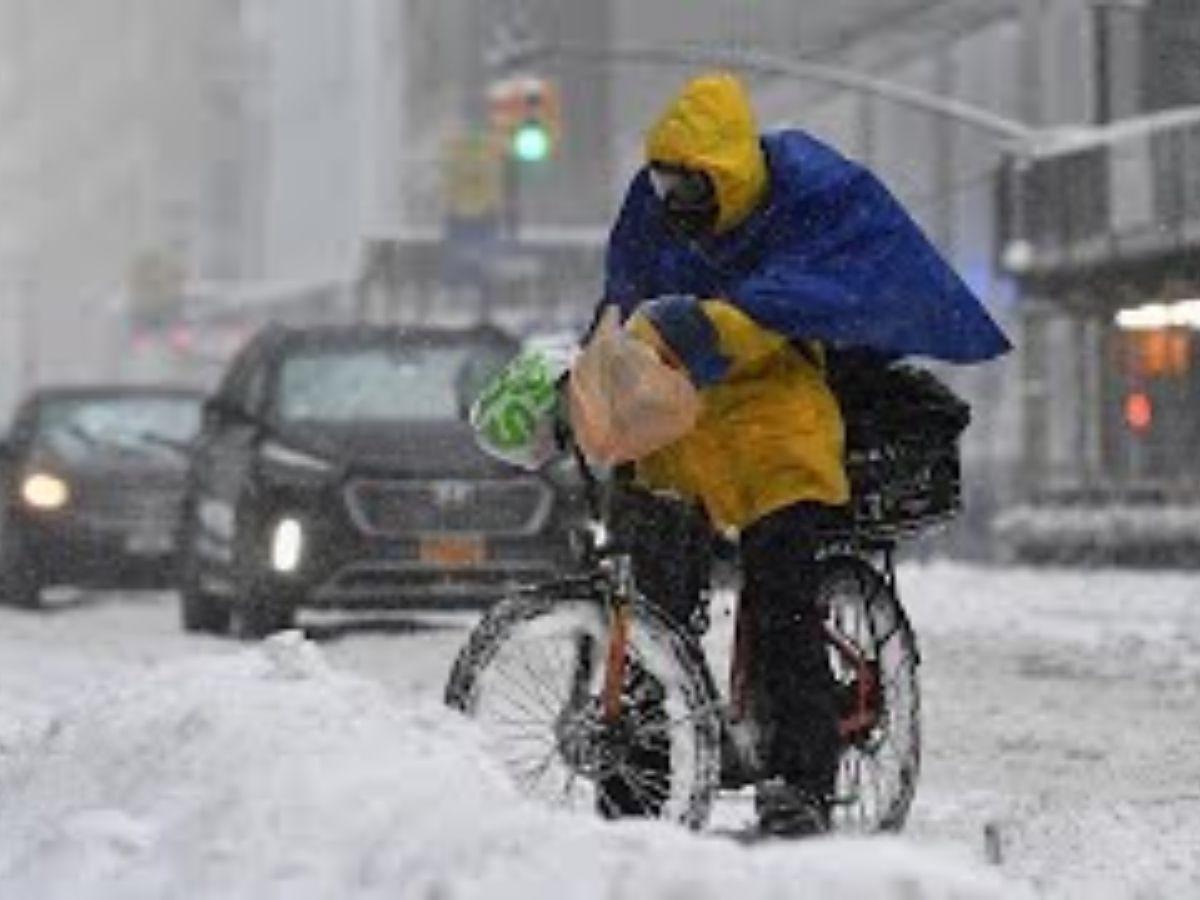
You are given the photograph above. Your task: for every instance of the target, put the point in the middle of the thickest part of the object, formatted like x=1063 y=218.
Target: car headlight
x=44 y=491
x=279 y=454
x=287 y=545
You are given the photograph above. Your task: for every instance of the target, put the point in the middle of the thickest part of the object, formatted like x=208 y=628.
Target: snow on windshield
x=77 y=428
x=412 y=383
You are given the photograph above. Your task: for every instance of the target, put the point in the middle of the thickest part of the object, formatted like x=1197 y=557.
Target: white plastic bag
x=625 y=401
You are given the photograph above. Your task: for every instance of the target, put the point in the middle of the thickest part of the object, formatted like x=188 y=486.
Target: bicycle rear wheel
x=531 y=674
x=873 y=655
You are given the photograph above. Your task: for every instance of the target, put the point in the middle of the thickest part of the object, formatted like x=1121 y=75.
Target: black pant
x=670 y=543
x=671 y=546
x=788 y=655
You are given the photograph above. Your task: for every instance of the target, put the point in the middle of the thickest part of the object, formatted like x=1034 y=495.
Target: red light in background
x=180 y=338
x=1139 y=411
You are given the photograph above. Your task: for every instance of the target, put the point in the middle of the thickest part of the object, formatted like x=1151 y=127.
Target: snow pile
x=267 y=774
x=1061 y=706
x=1161 y=532
x=20 y=720
x=1122 y=622
x=36 y=687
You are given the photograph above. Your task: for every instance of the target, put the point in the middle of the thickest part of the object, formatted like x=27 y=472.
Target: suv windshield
x=80 y=428
x=385 y=383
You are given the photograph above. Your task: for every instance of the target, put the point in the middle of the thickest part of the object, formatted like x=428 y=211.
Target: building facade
x=120 y=133
x=1102 y=230
x=326 y=86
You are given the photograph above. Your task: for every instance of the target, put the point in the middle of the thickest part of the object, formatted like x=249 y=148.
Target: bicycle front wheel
x=531 y=675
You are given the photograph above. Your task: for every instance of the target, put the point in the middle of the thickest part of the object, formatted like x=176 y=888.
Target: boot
x=788 y=810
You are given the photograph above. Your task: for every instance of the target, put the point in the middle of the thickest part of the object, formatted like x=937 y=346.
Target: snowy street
x=1061 y=716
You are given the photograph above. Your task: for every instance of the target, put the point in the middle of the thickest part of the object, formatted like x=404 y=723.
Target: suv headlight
x=44 y=491
x=288 y=458
x=287 y=545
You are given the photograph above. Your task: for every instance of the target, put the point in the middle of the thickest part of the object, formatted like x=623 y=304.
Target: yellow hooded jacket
x=770 y=432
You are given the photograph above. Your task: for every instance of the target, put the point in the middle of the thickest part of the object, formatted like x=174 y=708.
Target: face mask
x=688 y=197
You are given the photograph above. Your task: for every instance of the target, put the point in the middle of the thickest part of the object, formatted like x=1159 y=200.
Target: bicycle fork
x=616 y=658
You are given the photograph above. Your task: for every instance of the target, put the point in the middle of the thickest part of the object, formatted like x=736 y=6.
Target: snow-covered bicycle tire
x=690 y=697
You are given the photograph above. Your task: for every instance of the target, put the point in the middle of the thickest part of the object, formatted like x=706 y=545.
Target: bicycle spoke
x=651 y=741
x=868 y=765
x=546 y=695
x=670 y=724
x=558 y=692
x=523 y=766
x=856 y=779
x=520 y=706
x=532 y=775
x=534 y=703
x=529 y=736
x=880 y=750
x=565 y=660
x=646 y=790
x=572 y=777
x=604 y=795
x=866 y=806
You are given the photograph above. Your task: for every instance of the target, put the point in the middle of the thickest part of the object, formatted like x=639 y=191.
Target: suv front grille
x=508 y=506
x=123 y=505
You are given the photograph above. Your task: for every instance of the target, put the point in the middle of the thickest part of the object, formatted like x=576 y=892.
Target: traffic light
x=531 y=142
x=525 y=117
x=1139 y=411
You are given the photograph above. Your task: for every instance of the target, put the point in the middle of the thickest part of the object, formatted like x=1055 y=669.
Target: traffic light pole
x=1016 y=135
x=510 y=203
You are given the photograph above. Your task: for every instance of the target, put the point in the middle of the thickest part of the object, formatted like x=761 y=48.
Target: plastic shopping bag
x=515 y=416
x=625 y=401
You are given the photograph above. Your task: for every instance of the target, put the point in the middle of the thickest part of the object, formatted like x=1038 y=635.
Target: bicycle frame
x=614 y=564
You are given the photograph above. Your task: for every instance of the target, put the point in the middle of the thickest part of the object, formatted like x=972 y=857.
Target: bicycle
x=592 y=696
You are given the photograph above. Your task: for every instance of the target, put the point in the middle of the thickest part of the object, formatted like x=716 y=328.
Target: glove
x=682 y=324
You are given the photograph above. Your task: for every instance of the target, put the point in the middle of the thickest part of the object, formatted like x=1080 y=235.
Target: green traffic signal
x=531 y=142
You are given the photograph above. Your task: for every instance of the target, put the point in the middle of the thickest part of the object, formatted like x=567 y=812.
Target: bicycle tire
x=888 y=754
x=572 y=610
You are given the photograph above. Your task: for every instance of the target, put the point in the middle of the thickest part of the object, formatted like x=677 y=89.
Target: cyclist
x=743 y=258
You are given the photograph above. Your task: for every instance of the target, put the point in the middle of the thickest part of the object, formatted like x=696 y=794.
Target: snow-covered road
x=1062 y=713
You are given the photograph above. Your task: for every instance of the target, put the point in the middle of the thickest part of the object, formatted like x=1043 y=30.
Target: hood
x=410 y=449
x=158 y=468
x=710 y=126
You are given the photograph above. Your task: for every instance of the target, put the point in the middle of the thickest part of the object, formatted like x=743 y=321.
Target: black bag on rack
x=902 y=453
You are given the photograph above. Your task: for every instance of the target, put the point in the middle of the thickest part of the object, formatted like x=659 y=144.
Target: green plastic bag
x=515 y=416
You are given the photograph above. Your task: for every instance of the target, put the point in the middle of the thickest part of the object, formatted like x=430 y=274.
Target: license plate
x=148 y=544
x=453 y=552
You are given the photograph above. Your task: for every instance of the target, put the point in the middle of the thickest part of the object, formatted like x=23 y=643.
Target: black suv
x=335 y=468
